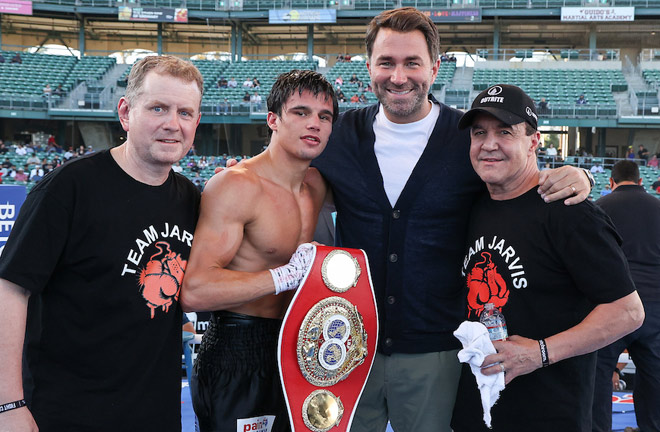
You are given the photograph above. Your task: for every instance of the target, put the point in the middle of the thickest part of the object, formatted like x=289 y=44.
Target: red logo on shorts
x=160 y=280
x=485 y=285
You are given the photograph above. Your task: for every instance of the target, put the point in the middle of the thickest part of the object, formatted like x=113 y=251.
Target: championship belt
x=328 y=341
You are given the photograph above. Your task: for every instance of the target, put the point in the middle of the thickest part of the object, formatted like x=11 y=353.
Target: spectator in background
x=255 y=83
x=656 y=185
x=643 y=154
x=59 y=91
x=255 y=101
x=247 y=83
x=47 y=90
x=177 y=168
x=36 y=174
x=581 y=100
x=246 y=97
x=232 y=83
x=33 y=159
x=17 y=59
x=69 y=154
x=597 y=168
x=653 y=163
x=606 y=190
x=631 y=153
x=3 y=149
x=363 y=99
x=341 y=97
x=339 y=81
x=355 y=98
x=21 y=150
x=223 y=107
x=551 y=152
x=20 y=175
x=543 y=106
x=222 y=83
x=354 y=79
x=636 y=216
x=2 y=58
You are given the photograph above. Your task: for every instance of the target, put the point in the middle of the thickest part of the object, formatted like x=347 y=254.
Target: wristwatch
x=592 y=182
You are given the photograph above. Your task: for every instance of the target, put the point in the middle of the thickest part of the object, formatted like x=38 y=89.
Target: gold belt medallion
x=332 y=342
x=322 y=411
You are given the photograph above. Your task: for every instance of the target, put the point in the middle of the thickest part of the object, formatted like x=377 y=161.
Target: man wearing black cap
x=545 y=266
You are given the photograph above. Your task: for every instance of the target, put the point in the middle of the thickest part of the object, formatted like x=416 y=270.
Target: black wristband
x=12 y=405
x=544 y=353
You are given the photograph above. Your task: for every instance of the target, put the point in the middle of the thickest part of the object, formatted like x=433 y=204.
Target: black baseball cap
x=507 y=103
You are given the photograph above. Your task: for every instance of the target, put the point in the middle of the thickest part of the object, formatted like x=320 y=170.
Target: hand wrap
x=288 y=276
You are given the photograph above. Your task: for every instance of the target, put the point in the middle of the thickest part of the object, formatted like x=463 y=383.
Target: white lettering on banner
x=7 y=211
x=598 y=14
x=152 y=235
x=255 y=424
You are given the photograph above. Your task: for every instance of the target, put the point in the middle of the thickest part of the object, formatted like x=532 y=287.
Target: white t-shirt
x=551 y=151
x=398 y=147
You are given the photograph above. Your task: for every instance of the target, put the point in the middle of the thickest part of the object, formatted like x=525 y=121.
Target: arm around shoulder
x=565 y=182
x=13 y=316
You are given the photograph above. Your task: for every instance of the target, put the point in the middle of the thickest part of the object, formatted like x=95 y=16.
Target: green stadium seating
x=561 y=87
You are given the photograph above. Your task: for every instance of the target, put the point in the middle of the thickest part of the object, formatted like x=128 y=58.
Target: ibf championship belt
x=328 y=341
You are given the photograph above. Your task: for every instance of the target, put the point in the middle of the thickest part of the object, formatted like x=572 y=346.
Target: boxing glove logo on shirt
x=160 y=280
x=485 y=285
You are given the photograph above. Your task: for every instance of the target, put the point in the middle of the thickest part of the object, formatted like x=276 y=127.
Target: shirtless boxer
x=252 y=219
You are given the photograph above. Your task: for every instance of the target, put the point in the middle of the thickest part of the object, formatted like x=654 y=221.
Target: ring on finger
x=573 y=189
x=502 y=367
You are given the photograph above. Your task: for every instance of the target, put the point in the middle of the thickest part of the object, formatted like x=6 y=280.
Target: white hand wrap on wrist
x=288 y=276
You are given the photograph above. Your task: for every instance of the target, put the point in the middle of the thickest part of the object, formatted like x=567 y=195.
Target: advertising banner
x=589 y=14
x=11 y=200
x=169 y=15
x=302 y=16
x=17 y=7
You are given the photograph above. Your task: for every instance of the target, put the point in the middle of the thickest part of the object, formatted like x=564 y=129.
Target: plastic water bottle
x=494 y=321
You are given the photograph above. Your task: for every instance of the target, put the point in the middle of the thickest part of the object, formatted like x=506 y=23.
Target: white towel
x=476 y=346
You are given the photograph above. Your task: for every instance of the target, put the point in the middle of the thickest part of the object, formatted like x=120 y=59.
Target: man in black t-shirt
x=545 y=266
x=636 y=215
x=91 y=273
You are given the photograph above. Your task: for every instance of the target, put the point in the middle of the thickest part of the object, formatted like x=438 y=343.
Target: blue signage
x=11 y=200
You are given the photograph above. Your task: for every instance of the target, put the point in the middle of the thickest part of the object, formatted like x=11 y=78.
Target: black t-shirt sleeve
x=591 y=249
x=36 y=241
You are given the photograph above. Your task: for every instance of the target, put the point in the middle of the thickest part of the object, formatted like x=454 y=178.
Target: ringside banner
x=11 y=200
